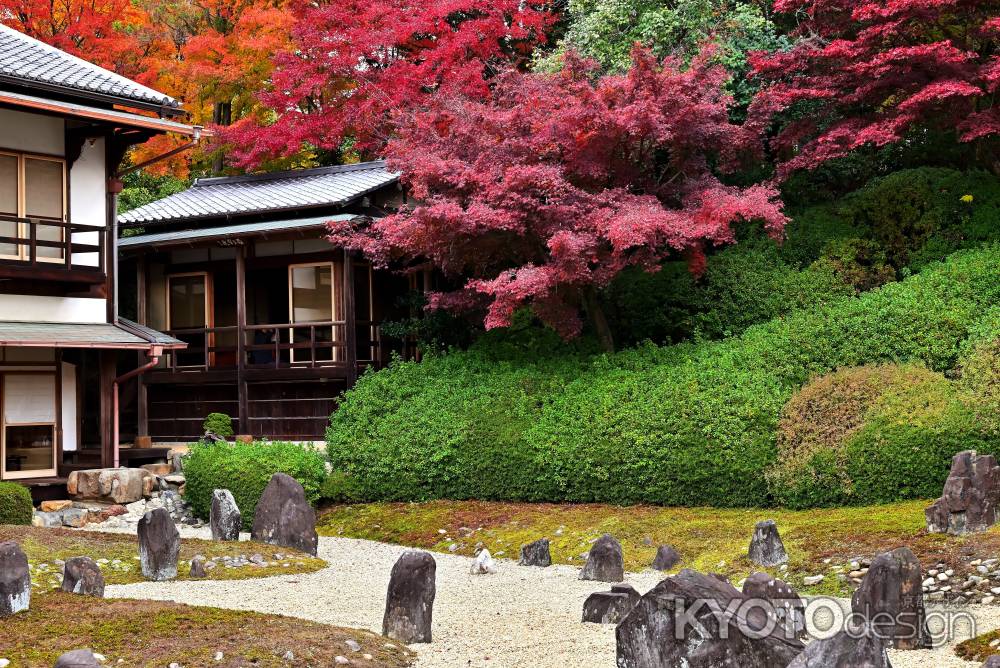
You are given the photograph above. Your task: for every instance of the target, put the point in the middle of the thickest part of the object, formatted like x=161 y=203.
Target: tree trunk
x=222 y=115
x=592 y=304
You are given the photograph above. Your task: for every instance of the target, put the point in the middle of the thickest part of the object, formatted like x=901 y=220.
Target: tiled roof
x=26 y=59
x=77 y=335
x=264 y=193
x=229 y=231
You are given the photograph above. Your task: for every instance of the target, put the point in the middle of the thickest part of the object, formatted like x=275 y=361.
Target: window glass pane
x=29 y=398
x=49 y=233
x=8 y=185
x=312 y=295
x=29 y=448
x=187 y=302
x=43 y=188
x=8 y=202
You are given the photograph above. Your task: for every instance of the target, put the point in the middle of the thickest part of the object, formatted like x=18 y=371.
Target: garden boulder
x=15 y=579
x=610 y=607
x=409 y=602
x=844 y=650
x=969 y=500
x=78 y=658
x=159 y=545
x=698 y=621
x=484 y=564
x=766 y=548
x=785 y=604
x=82 y=575
x=605 y=562
x=284 y=516
x=198 y=569
x=666 y=558
x=891 y=598
x=225 y=517
x=536 y=554
x=121 y=485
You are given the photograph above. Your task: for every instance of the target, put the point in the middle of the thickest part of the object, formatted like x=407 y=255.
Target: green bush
x=15 y=504
x=689 y=424
x=219 y=424
x=871 y=434
x=245 y=469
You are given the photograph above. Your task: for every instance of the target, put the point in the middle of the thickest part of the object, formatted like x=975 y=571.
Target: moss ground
x=153 y=633
x=44 y=546
x=708 y=539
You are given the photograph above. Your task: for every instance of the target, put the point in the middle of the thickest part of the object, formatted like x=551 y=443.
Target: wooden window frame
x=335 y=352
x=209 y=314
x=21 y=232
x=55 y=373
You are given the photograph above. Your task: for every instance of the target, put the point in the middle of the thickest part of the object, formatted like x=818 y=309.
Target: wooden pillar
x=350 y=321
x=241 y=355
x=108 y=370
x=142 y=316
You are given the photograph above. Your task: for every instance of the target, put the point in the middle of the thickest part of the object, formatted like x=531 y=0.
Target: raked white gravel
x=519 y=617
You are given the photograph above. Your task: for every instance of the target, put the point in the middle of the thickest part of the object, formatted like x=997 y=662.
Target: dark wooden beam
x=350 y=321
x=241 y=355
x=107 y=369
x=141 y=314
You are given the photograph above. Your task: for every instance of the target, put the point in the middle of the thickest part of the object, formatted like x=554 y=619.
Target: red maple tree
x=544 y=191
x=355 y=62
x=868 y=73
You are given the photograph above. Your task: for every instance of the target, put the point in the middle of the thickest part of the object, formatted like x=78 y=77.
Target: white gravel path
x=517 y=618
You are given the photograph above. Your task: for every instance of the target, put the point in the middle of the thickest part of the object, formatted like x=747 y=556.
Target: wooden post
x=350 y=322
x=142 y=315
x=241 y=333
x=108 y=370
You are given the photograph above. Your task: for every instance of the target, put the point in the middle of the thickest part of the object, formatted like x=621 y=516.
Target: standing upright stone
x=284 y=516
x=536 y=554
x=699 y=621
x=766 y=548
x=82 y=575
x=78 y=658
x=970 y=497
x=159 y=545
x=225 y=518
x=605 y=562
x=409 y=602
x=891 y=599
x=666 y=558
x=15 y=579
x=844 y=650
x=610 y=607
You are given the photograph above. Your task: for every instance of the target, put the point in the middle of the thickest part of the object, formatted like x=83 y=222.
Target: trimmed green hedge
x=219 y=424
x=15 y=504
x=245 y=469
x=690 y=424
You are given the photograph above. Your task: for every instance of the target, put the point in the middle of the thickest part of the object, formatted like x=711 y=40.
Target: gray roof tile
x=26 y=58
x=264 y=193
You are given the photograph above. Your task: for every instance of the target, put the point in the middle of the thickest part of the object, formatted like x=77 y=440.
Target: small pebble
x=341 y=660
x=219 y=656
x=289 y=656
x=352 y=645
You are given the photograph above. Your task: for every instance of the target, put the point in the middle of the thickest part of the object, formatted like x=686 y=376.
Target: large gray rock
x=891 y=598
x=844 y=650
x=198 y=569
x=970 y=497
x=15 y=579
x=992 y=662
x=699 y=621
x=159 y=545
x=409 y=602
x=786 y=606
x=78 y=658
x=284 y=516
x=666 y=558
x=225 y=518
x=605 y=561
x=610 y=607
x=82 y=575
x=121 y=485
x=536 y=554
x=766 y=548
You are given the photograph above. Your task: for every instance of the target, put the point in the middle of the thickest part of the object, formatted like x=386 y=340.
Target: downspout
x=153 y=354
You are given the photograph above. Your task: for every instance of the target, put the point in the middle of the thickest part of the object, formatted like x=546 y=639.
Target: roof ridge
x=288 y=174
x=115 y=78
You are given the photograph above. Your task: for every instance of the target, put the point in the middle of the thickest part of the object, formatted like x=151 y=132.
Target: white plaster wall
x=88 y=196
x=69 y=421
x=33 y=133
x=29 y=308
